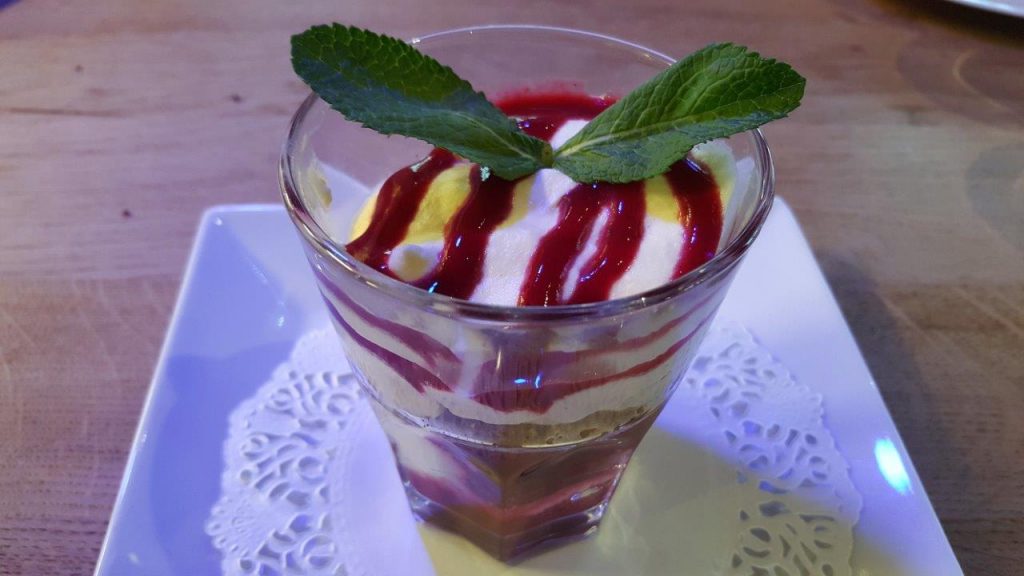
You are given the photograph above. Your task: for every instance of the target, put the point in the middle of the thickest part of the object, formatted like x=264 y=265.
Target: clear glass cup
x=510 y=426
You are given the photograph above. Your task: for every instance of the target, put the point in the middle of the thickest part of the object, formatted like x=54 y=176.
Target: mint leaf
x=718 y=91
x=388 y=86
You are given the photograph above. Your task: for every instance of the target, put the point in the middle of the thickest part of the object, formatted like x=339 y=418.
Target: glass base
x=511 y=500
x=503 y=545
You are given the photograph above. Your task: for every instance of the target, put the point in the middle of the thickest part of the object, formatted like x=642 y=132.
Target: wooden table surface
x=120 y=121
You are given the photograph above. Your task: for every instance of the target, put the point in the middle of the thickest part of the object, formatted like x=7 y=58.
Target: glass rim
x=722 y=261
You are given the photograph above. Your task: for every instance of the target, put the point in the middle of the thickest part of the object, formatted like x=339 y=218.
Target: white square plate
x=248 y=297
x=1008 y=7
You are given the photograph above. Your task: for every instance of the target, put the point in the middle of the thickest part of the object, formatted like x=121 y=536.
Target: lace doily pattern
x=800 y=505
x=273 y=516
x=795 y=515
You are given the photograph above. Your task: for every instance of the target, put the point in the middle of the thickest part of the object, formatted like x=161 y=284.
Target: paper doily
x=740 y=455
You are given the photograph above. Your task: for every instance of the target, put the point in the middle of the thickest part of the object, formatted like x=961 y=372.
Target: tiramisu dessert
x=513 y=415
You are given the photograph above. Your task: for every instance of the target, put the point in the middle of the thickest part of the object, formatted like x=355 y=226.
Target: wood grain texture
x=121 y=121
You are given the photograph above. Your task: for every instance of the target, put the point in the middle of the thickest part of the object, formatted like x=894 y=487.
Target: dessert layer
x=448 y=226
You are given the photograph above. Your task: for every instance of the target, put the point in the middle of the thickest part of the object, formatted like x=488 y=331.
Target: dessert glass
x=510 y=426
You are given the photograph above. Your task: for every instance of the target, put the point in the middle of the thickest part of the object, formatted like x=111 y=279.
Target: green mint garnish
x=718 y=91
x=389 y=86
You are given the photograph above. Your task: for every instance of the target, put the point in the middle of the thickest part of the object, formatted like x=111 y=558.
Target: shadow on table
x=992 y=187
x=892 y=362
x=993 y=25
x=889 y=357
x=964 y=60
x=948 y=15
x=6 y=3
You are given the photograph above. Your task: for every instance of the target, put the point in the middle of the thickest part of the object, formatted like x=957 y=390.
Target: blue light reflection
x=890 y=464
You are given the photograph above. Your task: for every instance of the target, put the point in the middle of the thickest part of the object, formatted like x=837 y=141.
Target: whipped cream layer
x=638 y=237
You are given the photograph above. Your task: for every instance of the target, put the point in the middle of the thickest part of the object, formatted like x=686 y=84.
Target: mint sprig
x=720 y=90
x=389 y=86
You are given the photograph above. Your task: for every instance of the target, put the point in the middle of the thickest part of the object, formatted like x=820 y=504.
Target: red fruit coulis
x=459 y=268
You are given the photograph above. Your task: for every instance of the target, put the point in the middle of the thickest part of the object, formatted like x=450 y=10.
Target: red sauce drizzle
x=557 y=250
x=397 y=204
x=440 y=359
x=460 y=266
x=700 y=211
x=618 y=245
x=542 y=114
x=545 y=392
x=417 y=376
x=561 y=246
